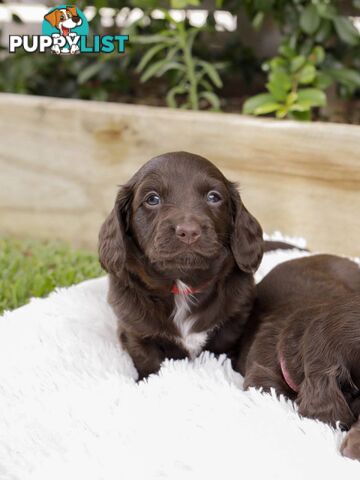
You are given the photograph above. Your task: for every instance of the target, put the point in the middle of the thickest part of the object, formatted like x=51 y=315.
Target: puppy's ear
x=320 y=397
x=246 y=239
x=52 y=18
x=72 y=10
x=112 y=236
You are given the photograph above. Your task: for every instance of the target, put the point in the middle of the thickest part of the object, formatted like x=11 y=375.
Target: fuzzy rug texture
x=70 y=407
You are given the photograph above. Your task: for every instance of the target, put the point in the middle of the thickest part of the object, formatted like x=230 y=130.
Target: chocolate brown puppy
x=181 y=249
x=303 y=339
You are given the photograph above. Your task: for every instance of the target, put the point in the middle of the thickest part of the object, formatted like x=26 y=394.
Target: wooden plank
x=61 y=161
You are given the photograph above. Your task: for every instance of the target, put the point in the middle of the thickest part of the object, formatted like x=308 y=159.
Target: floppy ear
x=112 y=236
x=52 y=18
x=246 y=239
x=320 y=397
x=72 y=10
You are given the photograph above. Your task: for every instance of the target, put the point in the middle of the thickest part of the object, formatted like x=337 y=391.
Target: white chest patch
x=193 y=342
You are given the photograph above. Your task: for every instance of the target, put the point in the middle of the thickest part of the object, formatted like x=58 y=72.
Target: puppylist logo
x=65 y=31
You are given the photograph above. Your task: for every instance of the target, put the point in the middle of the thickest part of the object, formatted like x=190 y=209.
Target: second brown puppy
x=303 y=340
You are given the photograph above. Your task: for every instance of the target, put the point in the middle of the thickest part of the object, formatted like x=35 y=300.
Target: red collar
x=286 y=374
x=188 y=290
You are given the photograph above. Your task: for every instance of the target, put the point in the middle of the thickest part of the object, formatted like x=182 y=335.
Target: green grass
x=33 y=269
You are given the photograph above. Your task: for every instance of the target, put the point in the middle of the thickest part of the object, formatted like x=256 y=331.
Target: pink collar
x=188 y=290
x=286 y=374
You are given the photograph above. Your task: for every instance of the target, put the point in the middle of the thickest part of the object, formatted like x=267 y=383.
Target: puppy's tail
x=270 y=245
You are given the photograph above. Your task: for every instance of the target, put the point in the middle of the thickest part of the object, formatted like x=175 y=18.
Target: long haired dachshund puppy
x=181 y=249
x=303 y=339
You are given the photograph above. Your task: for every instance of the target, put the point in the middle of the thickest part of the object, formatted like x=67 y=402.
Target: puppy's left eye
x=213 y=197
x=153 y=200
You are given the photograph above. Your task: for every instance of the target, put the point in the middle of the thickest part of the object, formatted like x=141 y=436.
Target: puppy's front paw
x=351 y=445
x=74 y=49
x=56 y=49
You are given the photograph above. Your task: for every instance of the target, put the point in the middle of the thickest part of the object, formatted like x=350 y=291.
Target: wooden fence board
x=61 y=160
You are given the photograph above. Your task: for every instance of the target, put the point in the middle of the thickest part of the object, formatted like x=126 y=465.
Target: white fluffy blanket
x=70 y=407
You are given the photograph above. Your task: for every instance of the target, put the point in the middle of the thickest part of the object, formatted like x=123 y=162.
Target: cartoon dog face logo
x=64 y=19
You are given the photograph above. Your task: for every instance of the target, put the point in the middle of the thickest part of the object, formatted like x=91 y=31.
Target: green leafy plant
x=295 y=85
x=172 y=60
x=193 y=79
x=321 y=47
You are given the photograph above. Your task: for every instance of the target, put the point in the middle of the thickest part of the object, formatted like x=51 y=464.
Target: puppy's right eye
x=153 y=200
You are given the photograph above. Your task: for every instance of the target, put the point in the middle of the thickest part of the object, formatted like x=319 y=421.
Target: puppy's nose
x=188 y=232
x=76 y=19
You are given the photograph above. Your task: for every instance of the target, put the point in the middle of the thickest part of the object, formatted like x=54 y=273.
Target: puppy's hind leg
x=265 y=378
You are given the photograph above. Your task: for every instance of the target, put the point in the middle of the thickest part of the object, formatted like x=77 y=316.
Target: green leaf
x=346 y=30
x=16 y=19
x=170 y=66
x=252 y=103
x=307 y=74
x=311 y=97
x=306 y=46
x=277 y=91
x=171 y=54
x=279 y=84
x=301 y=116
x=258 y=20
x=293 y=40
x=291 y=98
x=318 y=54
x=265 y=5
x=191 y=34
x=326 y=10
x=99 y=4
x=144 y=4
x=89 y=72
x=323 y=80
x=269 y=107
x=346 y=76
x=282 y=112
x=297 y=63
x=280 y=77
x=170 y=97
x=299 y=107
x=212 y=98
x=309 y=19
x=324 y=31
x=287 y=51
x=207 y=85
x=356 y=3
x=277 y=62
x=184 y=3
x=146 y=39
x=212 y=73
x=152 y=70
x=149 y=55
